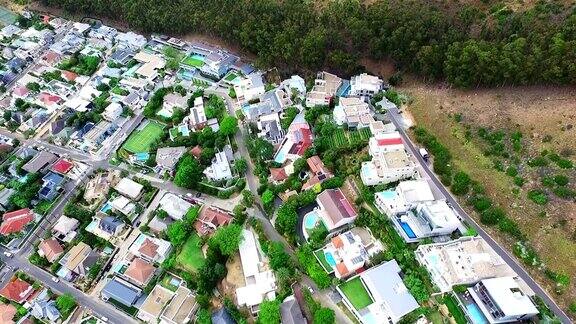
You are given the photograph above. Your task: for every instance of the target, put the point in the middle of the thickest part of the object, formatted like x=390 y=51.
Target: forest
x=467 y=44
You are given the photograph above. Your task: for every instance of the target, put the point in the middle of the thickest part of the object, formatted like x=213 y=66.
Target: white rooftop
x=506 y=293
x=175 y=206
x=129 y=188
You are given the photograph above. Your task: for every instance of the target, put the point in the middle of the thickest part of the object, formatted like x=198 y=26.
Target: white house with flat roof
x=427 y=219
x=502 y=301
x=129 y=188
x=391 y=300
x=353 y=112
x=385 y=142
x=387 y=167
x=406 y=195
x=325 y=87
x=197 y=118
x=464 y=261
x=260 y=280
x=175 y=206
x=365 y=85
x=250 y=88
x=220 y=168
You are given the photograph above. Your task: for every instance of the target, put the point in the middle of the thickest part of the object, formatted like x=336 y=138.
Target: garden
x=356 y=293
x=142 y=139
x=190 y=257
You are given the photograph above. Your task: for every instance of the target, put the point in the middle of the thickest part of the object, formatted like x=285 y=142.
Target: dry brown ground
x=536 y=111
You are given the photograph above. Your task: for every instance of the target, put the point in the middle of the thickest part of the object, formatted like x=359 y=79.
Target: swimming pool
x=281 y=154
x=330 y=259
x=409 y=232
x=106 y=207
x=388 y=194
x=310 y=220
x=475 y=314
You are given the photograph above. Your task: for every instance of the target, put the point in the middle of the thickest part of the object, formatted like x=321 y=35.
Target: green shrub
x=519 y=181
x=492 y=215
x=480 y=203
x=538 y=162
x=512 y=171
x=565 y=193
x=538 y=196
x=561 y=179
x=461 y=183
x=548 y=181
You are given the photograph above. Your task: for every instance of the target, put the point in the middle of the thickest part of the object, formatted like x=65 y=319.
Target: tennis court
x=7 y=17
x=194 y=60
x=141 y=139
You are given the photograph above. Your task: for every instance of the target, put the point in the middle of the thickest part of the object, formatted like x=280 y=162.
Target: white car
x=55 y=279
x=8 y=254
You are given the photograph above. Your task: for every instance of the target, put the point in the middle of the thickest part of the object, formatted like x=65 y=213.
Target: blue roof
x=52 y=179
x=121 y=292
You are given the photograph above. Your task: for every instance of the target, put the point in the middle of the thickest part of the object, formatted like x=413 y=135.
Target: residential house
x=129 y=188
x=249 y=88
x=405 y=196
x=130 y=41
x=464 y=261
x=197 y=118
x=39 y=162
x=325 y=87
x=347 y=254
x=259 y=279
x=5 y=195
x=174 y=206
x=290 y=311
x=16 y=221
x=17 y=290
x=65 y=228
x=77 y=262
x=217 y=64
x=334 y=209
x=150 y=248
x=122 y=205
x=365 y=85
x=94 y=138
x=298 y=139
x=113 y=111
x=391 y=300
x=319 y=172
x=500 y=300
x=62 y=166
x=121 y=291
x=270 y=129
x=181 y=308
x=46 y=310
x=387 y=167
x=140 y=272
x=151 y=63
x=168 y=157
x=171 y=102
x=273 y=101
x=353 y=112
x=385 y=142
x=295 y=84
x=97 y=188
x=152 y=307
x=51 y=183
x=121 y=56
x=50 y=249
x=278 y=175
x=107 y=227
x=7 y=313
x=220 y=169
x=210 y=219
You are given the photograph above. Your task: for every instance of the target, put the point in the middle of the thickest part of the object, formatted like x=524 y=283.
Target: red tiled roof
x=149 y=248
x=342 y=270
x=15 y=221
x=49 y=99
x=196 y=151
x=337 y=242
x=62 y=166
x=212 y=216
x=7 y=312
x=21 y=91
x=140 y=271
x=69 y=76
x=389 y=141
x=16 y=290
x=51 y=57
x=278 y=174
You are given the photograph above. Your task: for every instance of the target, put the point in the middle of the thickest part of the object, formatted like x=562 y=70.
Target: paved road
x=100 y=308
x=522 y=273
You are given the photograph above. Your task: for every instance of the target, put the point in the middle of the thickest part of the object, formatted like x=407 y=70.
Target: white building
x=464 y=261
x=150 y=65
x=295 y=83
x=353 y=112
x=197 y=117
x=113 y=111
x=427 y=219
x=406 y=195
x=391 y=300
x=250 y=88
x=220 y=168
x=259 y=279
x=502 y=301
x=129 y=188
x=385 y=142
x=175 y=206
x=365 y=85
x=171 y=102
x=325 y=87
x=387 y=167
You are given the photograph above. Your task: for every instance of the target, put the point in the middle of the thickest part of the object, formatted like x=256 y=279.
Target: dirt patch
x=235 y=277
x=538 y=112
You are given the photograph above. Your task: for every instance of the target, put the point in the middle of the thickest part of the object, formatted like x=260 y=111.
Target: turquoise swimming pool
x=475 y=314
x=310 y=220
x=330 y=259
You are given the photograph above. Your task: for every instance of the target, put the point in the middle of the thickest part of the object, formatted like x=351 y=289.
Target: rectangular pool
x=475 y=314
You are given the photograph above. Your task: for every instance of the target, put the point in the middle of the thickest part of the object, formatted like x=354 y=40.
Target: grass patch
x=165 y=282
x=356 y=293
x=454 y=309
x=141 y=140
x=190 y=257
x=320 y=255
x=231 y=76
x=342 y=138
x=192 y=61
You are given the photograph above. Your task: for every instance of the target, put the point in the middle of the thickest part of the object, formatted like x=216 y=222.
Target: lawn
x=342 y=138
x=231 y=76
x=356 y=293
x=455 y=309
x=190 y=257
x=320 y=255
x=193 y=61
x=141 y=140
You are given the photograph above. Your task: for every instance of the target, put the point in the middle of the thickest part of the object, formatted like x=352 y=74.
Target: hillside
x=469 y=43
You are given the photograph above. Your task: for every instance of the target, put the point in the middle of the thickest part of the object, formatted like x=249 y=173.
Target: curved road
x=522 y=273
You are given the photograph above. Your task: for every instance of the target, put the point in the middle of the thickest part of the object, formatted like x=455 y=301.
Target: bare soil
x=536 y=111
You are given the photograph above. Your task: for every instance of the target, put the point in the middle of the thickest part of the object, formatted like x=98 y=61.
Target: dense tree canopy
x=469 y=44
